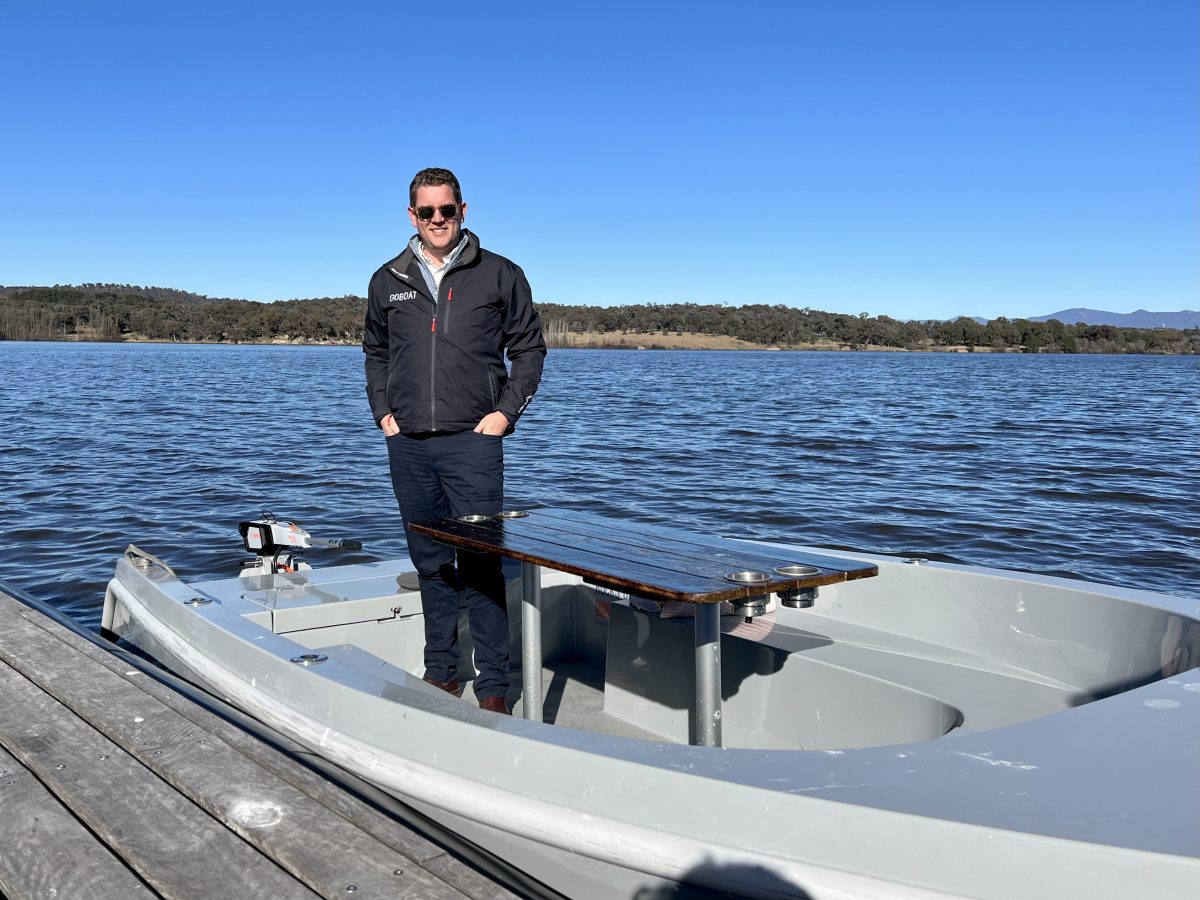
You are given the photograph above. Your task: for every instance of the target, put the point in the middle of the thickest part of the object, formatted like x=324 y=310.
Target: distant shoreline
x=129 y=313
x=617 y=340
x=608 y=341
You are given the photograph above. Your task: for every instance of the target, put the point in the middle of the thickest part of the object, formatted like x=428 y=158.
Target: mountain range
x=1142 y=318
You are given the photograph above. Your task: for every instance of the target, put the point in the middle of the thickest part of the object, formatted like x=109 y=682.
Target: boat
x=936 y=730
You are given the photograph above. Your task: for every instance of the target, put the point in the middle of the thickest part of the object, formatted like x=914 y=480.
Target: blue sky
x=914 y=158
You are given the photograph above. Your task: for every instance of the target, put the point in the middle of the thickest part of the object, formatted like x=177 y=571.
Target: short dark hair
x=433 y=178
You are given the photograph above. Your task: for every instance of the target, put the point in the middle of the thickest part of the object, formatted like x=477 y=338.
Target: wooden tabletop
x=659 y=563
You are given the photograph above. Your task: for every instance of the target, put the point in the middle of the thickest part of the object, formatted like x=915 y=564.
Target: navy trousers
x=455 y=474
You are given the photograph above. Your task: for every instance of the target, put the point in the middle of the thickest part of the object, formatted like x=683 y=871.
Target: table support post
x=708 y=674
x=531 y=641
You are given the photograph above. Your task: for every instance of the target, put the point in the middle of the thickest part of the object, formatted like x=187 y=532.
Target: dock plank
x=168 y=841
x=272 y=815
x=47 y=851
x=282 y=761
x=313 y=828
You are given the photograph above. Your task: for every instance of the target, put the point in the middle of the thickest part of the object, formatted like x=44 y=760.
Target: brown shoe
x=495 y=704
x=450 y=687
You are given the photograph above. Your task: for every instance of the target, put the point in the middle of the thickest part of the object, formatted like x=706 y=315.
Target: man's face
x=440 y=233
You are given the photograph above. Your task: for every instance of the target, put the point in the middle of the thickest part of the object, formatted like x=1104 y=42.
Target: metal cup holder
x=801 y=598
x=748 y=577
x=796 y=571
x=749 y=607
x=797 y=598
x=513 y=514
x=473 y=519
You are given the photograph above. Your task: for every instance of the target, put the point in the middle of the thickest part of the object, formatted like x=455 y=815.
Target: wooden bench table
x=656 y=563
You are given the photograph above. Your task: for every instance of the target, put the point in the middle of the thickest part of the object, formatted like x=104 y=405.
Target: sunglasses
x=448 y=211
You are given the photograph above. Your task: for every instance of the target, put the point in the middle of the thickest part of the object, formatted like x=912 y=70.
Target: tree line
x=116 y=312
x=112 y=312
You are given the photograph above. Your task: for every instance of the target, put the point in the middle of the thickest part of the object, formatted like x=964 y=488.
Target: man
x=440 y=318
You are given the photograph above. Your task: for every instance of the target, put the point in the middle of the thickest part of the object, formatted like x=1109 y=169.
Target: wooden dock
x=114 y=784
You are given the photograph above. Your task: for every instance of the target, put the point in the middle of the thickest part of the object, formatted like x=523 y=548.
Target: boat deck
x=113 y=784
x=575 y=699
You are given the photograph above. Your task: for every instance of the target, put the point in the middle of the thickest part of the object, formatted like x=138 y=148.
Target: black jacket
x=437 y=363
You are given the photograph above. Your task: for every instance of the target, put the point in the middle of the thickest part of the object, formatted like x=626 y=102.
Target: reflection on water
x=1058 y=464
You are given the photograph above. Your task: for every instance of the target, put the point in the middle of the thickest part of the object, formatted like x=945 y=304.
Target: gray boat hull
x=938 y=730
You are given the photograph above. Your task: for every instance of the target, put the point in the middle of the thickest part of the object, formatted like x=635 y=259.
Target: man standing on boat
x=440 y=319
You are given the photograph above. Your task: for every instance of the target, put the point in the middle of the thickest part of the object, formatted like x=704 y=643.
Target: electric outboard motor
x=277 y=545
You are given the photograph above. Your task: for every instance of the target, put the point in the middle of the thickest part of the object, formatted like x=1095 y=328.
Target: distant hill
x=1185 y=318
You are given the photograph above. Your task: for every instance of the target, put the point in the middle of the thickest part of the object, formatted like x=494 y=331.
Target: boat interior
x=917 y=653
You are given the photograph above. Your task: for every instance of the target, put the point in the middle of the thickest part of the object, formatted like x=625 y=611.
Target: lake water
x=1076 y=465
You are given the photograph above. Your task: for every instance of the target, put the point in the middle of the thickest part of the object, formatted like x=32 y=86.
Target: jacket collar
x=407 y=267
x=451 y=258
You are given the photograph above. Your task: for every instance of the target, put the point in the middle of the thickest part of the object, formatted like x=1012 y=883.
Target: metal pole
x=531 y=641
x=708 y=674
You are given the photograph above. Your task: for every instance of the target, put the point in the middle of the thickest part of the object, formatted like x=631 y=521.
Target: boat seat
x=808 y=652
x=988 y=693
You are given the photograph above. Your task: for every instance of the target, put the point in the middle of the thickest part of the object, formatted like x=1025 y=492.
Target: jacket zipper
x=433 y=354
x=433 y=350
x=432 y=370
